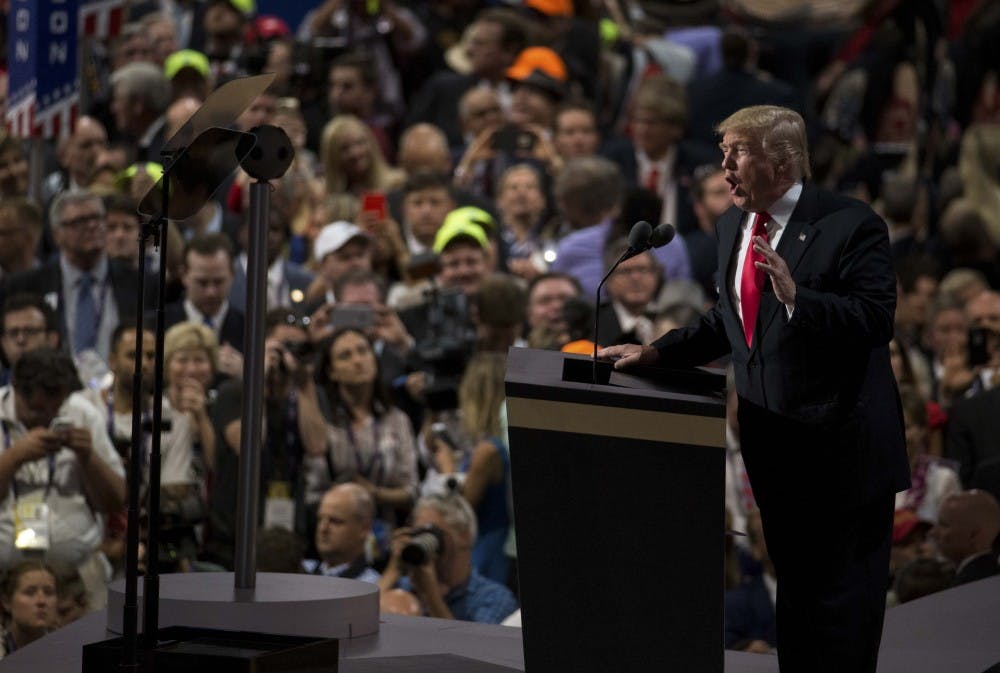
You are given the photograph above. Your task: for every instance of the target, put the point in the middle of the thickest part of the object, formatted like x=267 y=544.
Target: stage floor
x=957 y=631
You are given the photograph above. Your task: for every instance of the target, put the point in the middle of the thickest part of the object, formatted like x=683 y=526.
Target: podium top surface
x=563 y=377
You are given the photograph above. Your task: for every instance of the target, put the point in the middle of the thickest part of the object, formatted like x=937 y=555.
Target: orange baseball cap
x=551 y=7
x=541 y=59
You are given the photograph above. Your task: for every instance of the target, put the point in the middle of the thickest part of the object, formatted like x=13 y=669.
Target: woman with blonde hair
x=485 y=470
x=190 y=362
x=352 y=160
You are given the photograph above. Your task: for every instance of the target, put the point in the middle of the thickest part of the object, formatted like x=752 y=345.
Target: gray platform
x=957 y=631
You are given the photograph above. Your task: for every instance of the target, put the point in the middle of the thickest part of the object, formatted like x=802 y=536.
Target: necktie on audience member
x=85 y=322
x=653 y=180
x=752 y=279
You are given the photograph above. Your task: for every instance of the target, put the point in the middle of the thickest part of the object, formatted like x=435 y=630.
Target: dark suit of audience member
x=229 y=331
x=738 y=85
x=979 y=568
x=973 y=435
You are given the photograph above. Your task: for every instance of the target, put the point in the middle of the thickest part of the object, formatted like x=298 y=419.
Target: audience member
x=140 y=98
x=27 y=323
x=343 y=527
x=59 y=468
x=624 y=316
x=968 y=523
x=446 y=582
x=29 y=599
x=20 y=233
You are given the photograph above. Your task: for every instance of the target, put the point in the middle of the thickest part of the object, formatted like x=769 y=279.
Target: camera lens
x=424 y=546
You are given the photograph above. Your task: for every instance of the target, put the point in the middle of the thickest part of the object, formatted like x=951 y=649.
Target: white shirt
x=75 y=530
x=666 y=185
x=278 y=291
x=781 y=212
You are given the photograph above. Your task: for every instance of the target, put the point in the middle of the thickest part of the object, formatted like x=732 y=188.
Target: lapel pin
x=802 y=237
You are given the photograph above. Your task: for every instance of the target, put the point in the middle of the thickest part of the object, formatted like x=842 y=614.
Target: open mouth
x=734 y=184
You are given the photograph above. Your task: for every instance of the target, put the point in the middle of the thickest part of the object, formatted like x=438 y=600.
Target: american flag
x=44 y=80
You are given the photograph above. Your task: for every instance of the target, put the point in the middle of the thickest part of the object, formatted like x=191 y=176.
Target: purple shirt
x=581 y=255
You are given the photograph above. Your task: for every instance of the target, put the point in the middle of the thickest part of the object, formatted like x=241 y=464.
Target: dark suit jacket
x=712 y=99
x=609 y=330
x=437 y=103
x=297 y=277
x=622 y=152
x=232 y=326
x=822 y=378
x=973 y=436
x=47 y=279
x=979 y=568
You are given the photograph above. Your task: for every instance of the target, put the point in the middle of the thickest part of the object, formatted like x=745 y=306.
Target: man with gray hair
x=91 y=292
x=140 y=96
x=589 y=193
x=343 y=525
x=433 y=559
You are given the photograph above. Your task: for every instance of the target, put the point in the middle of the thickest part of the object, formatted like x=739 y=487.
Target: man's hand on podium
x=627 y=355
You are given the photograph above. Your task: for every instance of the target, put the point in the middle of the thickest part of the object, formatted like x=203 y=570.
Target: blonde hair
x=781 y=132
x=978 y=159
x=190 y=336
x=480 y=394
x=380 y=174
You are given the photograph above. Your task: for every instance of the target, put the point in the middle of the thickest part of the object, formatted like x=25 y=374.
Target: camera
x=426 y=544
x=445 y=346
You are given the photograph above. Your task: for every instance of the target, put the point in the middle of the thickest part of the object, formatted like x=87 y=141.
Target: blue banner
x=41 y=56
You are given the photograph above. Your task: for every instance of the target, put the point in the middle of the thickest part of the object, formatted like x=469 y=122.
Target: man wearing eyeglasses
x=624 y=317
x=26 y=323
x=90 y=292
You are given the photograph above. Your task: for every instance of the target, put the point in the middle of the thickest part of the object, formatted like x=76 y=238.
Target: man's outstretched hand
x=628 y=355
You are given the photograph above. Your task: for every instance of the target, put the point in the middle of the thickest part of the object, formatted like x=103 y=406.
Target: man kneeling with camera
x=433 y=559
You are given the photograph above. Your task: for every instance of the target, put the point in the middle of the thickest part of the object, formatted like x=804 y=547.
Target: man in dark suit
x=207 y=277
x=807 y=319
x=624 y=317
x=968 y=523
x=140 y=96
x=90 y=292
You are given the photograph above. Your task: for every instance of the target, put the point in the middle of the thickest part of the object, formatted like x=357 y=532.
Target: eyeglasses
x=637 y=271
x=83 y=220
x=26 y=332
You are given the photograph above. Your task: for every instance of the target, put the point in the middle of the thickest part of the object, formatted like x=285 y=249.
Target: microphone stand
x=631 y=252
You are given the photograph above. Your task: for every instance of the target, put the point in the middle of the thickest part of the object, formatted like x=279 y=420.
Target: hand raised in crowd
x=319 y=327
x=34 y=444
x=191 y=397
x=390 y=329
x=544 y=150
x=956 y=375
x=79 y=441
x=230 y=361
x=386 y=234
x=480 y=149
x=277 y=358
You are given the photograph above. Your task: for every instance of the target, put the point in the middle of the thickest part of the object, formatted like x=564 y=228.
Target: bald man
x=77 y=157
x=968 y=524
x=343 y=525
x=424 y=147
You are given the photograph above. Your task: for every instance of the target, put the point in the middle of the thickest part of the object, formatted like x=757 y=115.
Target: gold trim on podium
x=587 y=419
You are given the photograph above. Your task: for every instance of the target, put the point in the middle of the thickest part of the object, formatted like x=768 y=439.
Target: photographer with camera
x=433 y=559
x=293 y=424
x=58 y=470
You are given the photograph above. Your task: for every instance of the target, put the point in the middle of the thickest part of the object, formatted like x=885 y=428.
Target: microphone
x=661 y=235
x=639 y=241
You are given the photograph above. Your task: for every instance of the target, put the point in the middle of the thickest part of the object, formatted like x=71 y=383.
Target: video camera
x=445 y=347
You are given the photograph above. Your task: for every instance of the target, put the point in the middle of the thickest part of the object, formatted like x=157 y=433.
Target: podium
x=618 y=492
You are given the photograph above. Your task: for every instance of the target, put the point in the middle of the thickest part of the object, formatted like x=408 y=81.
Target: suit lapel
x=798 y=235
x=728 y=230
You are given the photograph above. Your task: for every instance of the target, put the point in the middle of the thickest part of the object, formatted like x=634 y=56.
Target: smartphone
x=374 y=202
x=512 y=139
x=356 y=316
x=61 y=427
x=978 y=351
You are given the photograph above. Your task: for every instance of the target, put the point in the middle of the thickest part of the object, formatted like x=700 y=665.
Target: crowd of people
x=464 y=174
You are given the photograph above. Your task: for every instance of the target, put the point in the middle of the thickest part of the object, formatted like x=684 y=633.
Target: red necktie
x=752 y=279
x=653 y=180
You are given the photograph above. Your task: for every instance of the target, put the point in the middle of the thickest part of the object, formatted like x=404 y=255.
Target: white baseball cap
x=333 y=237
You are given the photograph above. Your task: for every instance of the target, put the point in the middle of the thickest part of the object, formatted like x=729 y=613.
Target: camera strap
x=375 y=461
x=147 y=435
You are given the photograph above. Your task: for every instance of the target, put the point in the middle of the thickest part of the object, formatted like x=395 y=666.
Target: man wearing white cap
x=339 y=248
